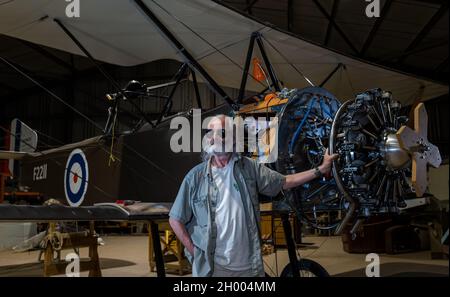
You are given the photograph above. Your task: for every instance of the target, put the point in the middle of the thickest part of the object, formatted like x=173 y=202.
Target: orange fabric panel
x=258 y=72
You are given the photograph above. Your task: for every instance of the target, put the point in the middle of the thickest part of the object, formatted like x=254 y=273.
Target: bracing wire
x=204 y=40
x=291 y=64
x=83 y=116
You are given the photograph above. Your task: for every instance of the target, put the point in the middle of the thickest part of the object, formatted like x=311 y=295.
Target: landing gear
x=305 y=268
x=302 y=267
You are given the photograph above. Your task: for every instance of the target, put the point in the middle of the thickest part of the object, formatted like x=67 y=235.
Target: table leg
x=160 y=270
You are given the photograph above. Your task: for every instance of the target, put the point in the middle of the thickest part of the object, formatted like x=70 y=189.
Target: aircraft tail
x=20 y=141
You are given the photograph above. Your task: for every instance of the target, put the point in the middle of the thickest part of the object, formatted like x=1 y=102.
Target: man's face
x=215 y=137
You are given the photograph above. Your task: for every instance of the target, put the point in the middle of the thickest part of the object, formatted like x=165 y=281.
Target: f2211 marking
x=40 y=172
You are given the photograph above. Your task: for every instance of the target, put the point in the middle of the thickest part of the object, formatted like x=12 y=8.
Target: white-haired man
x=216 y=212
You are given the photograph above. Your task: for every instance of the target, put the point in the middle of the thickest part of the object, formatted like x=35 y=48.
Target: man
x=216 y=212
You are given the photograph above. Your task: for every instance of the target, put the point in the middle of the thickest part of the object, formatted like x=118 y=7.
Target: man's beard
x=216 y=149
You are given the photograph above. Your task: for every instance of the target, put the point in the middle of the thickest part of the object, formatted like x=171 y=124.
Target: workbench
x=151 y=213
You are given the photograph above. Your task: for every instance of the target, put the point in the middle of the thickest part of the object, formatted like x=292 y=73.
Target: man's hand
x=327 y=162
x=190 y=249
x=297 y=179
x=182 y=234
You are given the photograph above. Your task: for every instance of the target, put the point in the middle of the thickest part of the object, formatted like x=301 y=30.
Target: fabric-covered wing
x=118 y=32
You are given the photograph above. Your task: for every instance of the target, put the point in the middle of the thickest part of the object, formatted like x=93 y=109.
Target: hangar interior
x=64 y=97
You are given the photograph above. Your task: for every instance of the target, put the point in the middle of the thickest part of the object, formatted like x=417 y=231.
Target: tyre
x=307 y=268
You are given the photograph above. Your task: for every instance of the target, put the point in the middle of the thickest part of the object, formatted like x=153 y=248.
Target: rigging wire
x=135 y=171
x=49 y=137
x=206 y=41
x=58 y=163
x=291 y=64
x=50 y=93
x=348 y=78
x=84 y=116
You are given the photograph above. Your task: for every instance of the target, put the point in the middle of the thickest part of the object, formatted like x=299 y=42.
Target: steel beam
x=425 y=30
x=335 y=25
x=333 y=16
x=249 y=6
x=376 y=26
x=290 y=15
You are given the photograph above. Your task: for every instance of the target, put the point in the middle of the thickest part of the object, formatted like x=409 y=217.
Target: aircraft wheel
x=307 y=268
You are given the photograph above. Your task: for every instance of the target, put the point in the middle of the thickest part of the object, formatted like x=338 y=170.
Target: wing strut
x=192 y=61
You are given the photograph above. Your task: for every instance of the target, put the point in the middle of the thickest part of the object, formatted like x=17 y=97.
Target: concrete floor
x=128 y=256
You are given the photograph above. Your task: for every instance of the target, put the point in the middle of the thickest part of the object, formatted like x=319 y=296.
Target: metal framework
x=186 y=54
x=414 y=51
x=376 y=26
x=169 y=102
x=333 y=16
x=256 y=36
x=290 y=15
x=425 y=30
x=362 y=51
x=249 y=6
x=335 y=25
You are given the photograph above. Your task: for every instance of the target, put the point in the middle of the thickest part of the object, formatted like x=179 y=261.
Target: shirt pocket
x=252 y=187
x=201 y=210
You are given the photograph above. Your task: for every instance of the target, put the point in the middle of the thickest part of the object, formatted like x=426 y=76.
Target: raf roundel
x=76 y=177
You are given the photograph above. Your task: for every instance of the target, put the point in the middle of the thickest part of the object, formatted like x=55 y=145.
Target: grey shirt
x=195 y=206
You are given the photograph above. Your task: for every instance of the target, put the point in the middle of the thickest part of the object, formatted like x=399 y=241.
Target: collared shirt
x=195 y=206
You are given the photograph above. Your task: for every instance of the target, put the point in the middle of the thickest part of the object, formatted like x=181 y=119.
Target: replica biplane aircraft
x=358 y=114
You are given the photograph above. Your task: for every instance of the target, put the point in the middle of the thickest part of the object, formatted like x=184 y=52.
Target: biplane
x=276 y=74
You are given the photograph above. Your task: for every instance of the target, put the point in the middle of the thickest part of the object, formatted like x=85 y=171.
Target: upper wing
x=117 y=32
